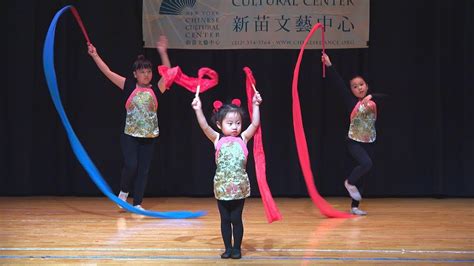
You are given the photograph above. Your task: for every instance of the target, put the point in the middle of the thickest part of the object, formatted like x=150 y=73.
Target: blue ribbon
x=78 y=149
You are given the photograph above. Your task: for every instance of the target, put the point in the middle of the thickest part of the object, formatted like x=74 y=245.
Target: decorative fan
x=175 y=7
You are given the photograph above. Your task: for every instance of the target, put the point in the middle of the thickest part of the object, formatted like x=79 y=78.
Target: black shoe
x=226 y=254
x=236 y=254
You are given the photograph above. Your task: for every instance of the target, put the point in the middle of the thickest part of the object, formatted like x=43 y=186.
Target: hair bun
x=236 y=102
x=217 y=105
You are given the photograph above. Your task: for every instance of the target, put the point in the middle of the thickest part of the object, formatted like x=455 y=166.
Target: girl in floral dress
x=140 y=97
x=231 y=183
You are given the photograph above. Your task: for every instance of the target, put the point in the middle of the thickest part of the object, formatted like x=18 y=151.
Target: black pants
x=231 y=222
x=362 y=153
x=137 y=155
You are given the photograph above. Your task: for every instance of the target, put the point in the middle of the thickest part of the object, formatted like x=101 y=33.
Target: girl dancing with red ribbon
x=361 y=135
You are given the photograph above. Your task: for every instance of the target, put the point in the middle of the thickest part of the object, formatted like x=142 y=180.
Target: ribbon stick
x=271 y=210
x=302 y=147
x=200 y=74
x=324 y=49
x=254 y=89
x=197 y=90
x=79 y=21
x=78 y=149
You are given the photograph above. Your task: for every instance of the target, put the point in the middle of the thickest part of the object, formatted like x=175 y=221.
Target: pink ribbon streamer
x=302 y=147
x=175 y=75
x=271 y=210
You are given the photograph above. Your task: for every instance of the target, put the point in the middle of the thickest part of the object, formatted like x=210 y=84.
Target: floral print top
x=363 y=116
x=141 y=119
x=362 y=127
x=231 y=181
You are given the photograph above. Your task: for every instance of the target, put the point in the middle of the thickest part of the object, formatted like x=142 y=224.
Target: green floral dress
x=231 y=181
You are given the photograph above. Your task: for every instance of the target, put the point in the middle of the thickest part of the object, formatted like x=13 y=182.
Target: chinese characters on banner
x=255 y=24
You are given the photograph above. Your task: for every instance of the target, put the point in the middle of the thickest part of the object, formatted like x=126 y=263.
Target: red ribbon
x=271 y=210
x=172 y=75
x=324 y=207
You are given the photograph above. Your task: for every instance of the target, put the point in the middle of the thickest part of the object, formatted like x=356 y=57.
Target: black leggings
x=362 y=153
x=137 y=155
x=231 y=222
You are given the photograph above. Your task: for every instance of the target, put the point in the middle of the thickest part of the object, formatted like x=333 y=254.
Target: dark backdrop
x=420 y=54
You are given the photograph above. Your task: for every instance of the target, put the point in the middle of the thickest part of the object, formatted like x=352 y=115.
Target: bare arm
x=250 y=131
x=162 y=47
x=118 y=80
x=210 y=133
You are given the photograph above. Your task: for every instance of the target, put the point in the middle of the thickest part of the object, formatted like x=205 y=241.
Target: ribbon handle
x=79 y=21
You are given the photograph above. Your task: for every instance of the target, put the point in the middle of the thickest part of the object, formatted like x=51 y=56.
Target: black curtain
x=420 y=54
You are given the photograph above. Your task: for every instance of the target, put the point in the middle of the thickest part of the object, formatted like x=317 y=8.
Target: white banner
x=255 y=24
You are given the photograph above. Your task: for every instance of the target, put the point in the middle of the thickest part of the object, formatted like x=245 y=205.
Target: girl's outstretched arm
x=118 y=80
x=337 y=81
x=210 y=133
x=250 y=131
x=162 y=47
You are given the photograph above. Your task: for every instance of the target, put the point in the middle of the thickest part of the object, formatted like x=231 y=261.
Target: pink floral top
x=362 y=127
x=141 y=120
x=231 y=181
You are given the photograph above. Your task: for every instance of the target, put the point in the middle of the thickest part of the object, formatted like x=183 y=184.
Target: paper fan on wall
x=175 y=7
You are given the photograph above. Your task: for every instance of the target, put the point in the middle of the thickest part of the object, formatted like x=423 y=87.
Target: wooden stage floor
x=91 y=231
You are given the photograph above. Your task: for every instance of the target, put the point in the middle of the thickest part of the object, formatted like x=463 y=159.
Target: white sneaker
x=139 y=207
x=123 y=196
x=357 y=211
x=353 y=191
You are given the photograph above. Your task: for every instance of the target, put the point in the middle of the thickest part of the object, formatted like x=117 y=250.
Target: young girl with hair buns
x=231 y=183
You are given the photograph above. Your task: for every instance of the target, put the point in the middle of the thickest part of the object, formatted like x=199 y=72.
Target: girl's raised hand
x=91 y=50
x=325 y=59
x=162 y=44
x=196 y=104
x=366 y=99
x=257 y=98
